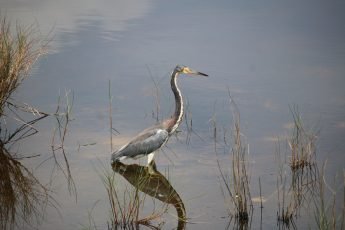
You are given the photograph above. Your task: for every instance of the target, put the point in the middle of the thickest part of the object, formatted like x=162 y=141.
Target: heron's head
x=187 y=70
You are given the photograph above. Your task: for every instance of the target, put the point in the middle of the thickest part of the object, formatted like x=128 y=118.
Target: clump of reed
x=301 y=143
x=19 y=50
x=296 y=187
x=236 y=183
x=18 y=53
x=21 y=193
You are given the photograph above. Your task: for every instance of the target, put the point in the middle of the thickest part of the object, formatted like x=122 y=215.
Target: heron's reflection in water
x=150 y=181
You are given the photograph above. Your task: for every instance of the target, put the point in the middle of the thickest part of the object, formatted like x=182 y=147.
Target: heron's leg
x=152 y=168
x=150 y=157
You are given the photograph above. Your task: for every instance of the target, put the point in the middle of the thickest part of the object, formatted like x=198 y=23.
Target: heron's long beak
x=202 y=74
x=191 y=71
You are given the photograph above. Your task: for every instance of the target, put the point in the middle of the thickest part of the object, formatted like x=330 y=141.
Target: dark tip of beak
x=202 y=74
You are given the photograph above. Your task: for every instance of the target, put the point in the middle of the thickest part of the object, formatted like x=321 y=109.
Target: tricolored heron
x=153 y=138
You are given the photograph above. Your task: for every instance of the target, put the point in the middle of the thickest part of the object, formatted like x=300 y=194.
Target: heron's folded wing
x=145 y=143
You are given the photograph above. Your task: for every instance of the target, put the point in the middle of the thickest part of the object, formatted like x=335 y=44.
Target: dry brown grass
x=301 y=143
x=236 y=184
x=21 y=194
x=296 y=187
x=18 y=53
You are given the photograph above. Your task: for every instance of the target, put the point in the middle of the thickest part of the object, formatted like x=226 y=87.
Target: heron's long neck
x=177 y=117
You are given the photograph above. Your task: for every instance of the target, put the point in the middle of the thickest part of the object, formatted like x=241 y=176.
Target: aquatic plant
x=18 y=53
x=296 y=187
x=236 y=185
x=287 y=206
x=325 y=201
x=21 y=193
x=301 y=143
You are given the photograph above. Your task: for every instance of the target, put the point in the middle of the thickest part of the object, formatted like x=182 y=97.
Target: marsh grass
x=301 y=143
x=326 y=212
x=21 y=193
x=18 y=53
x=19 y=50
x=188 y=118
x=287 y=206
x=157 y=99
x=23 y=197
x=236 y=184
x=63 y=116
x=296 y=187
x=91 y=221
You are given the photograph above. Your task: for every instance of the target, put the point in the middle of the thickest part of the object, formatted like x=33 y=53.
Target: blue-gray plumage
x=144 y=143
x=153 y=138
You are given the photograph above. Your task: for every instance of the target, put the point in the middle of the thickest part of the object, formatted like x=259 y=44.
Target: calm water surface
x=270 y=55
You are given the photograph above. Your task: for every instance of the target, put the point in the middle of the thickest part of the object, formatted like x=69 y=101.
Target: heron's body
x=153 y=138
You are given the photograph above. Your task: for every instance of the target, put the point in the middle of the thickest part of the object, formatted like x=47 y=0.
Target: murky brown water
x=270 y=56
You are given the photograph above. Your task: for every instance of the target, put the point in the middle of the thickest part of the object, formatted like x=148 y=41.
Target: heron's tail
x=116 y=156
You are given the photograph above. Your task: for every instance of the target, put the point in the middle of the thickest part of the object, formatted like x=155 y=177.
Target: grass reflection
x=21 y=194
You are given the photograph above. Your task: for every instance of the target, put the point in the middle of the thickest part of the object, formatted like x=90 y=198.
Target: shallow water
x=270 y=56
